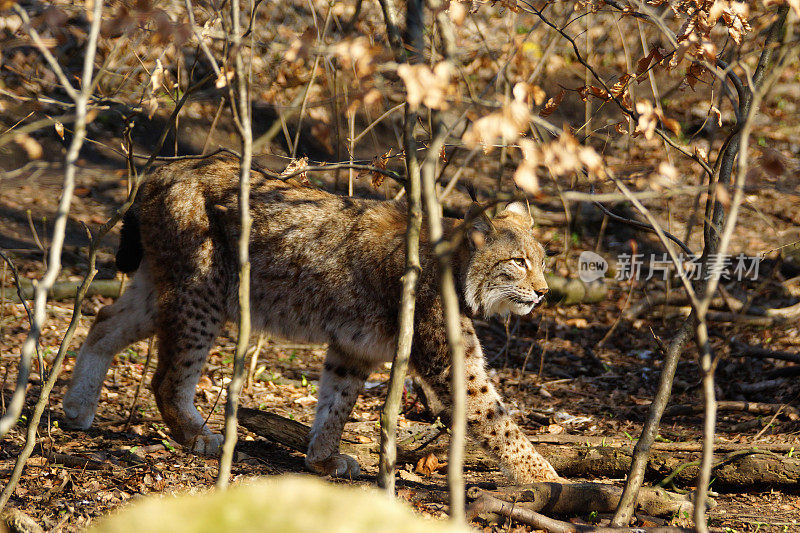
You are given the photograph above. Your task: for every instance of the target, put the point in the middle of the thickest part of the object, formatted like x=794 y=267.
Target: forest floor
x=587 y=370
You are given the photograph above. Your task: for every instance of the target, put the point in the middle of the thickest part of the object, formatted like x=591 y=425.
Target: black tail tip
x=130 y=252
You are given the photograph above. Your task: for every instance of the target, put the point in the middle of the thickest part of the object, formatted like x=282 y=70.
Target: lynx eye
x=520 y=262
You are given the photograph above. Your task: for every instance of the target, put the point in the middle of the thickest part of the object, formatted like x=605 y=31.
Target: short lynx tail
x=130 y=252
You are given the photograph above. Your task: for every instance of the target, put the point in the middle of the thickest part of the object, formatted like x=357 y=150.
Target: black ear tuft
x=480 y=226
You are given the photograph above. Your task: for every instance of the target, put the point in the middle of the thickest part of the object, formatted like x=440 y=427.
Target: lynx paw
x=206 y=444
x=338 y=465
x=77 y=414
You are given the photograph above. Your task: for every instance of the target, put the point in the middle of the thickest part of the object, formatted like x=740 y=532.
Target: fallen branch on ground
x=745 y=467
x=65 y=290
x=488 y=504
x=82 y=463
x=745 y=350
x=563 y=291
x=786 y=411
x=577 y=498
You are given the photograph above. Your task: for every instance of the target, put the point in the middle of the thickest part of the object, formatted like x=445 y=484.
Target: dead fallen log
x=787 y=411
x=66 y=290
x=720 y=446
x=576 y=498
x=487 y=504
x=563 y=291
x=739 y=469
x=741 y=349
x=82 y=463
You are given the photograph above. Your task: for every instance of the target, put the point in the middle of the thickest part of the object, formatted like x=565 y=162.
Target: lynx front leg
x=488 y=420
x=342 y=379
x=490 y=424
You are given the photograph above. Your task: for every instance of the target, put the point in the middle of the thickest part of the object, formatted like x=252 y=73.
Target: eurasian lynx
x=326 y=269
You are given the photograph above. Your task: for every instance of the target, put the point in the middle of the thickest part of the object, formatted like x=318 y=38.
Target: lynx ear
x=520 y=209
x=480 y=226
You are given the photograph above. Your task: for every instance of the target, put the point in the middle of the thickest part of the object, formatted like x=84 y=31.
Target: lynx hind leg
x=187 y=327
x=131 y=318
x=342 y=379
x=488 y=421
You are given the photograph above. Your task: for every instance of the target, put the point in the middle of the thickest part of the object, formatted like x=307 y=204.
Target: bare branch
x=389 y=412
x=243 y=337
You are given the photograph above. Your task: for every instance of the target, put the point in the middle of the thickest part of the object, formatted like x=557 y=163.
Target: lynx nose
x=541 y=292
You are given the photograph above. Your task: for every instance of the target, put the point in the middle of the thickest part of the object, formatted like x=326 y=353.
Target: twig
x=251 y=370
x=203 y=46
x=243 y=336
x=18 y=285
x=641 y=451
x=443 y=250
x=743 y=349
x=391 y=406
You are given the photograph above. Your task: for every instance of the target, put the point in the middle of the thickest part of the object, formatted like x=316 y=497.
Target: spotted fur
x=325 y=269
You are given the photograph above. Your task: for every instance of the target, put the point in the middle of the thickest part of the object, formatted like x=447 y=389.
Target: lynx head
x=506 y=270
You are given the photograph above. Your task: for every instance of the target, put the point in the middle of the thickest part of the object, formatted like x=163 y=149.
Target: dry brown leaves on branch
x=552 y=104
x=429 y=87
x=562 y=157
x=156 y=79
x=296 y=165
x=376 y=178
x=700 y=17
x=358 y=54
x=504 y=125
x=649 y=116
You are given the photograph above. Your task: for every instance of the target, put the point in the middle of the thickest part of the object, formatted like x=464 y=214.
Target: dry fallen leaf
x=429 y=464
x=405 y=475
x=552 y=104
x=294 y=166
